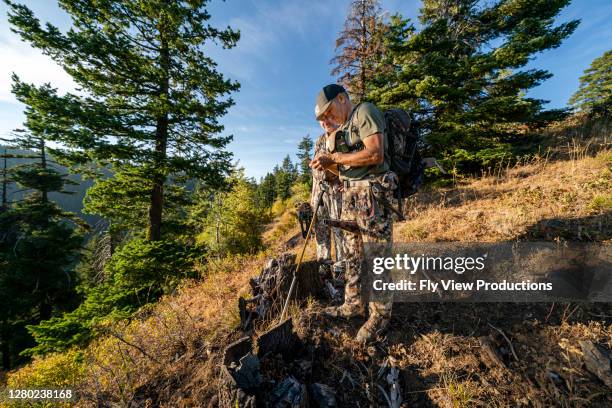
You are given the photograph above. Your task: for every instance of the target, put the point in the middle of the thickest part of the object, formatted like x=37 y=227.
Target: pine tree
x=595 y=91
x=305 y=155
x=123 y=199
x=149 y=94
x=267 y=190
x=285 y=176
x=359 y=47
x=39 y=246
x=461 y=74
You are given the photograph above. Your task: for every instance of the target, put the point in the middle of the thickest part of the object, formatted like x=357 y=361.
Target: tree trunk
x=43 y=163
x=161 y=143
x=363 y=56
x=44 y=311
x=4 y=185
x=6 y=356
x=6 y=349
x=155 y=209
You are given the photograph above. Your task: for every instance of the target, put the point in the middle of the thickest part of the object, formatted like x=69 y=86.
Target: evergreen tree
x=267 y=190
x=139 y=272
x=285 y=176
x=359 y=47
x=149 y=95
x=123 y=200
x=595 y=91
x=39 y=246
x=305 y=155
x=461 y=73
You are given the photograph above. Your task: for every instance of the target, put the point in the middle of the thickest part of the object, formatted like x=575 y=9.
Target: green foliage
x=234 y=220
x=595 y=91
x=38 y=179
x=305 y=155
x=300 y=192
x=124 y=200
x=465 y=162
x=138 y=273
x=285 y=176
x=266 y=191
x=39 y=246
x=276 y=187
x=55 y=371
x=461 y=73
x=149 y=94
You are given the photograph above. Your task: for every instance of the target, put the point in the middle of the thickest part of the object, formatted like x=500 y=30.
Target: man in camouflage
x=329 y=208
x=359 y=151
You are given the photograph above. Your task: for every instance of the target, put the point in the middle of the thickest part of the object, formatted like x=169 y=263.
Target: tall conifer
x=149 y=94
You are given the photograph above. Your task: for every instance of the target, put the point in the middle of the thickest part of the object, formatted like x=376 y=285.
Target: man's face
x=335 y=115
x=328 y=126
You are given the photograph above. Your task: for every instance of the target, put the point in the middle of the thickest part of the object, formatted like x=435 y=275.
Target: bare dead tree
x=359 y=47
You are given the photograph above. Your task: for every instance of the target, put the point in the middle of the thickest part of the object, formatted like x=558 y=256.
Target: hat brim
x=325 y=108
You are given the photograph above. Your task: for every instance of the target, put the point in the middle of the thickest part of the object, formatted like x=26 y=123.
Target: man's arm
x=373 y=153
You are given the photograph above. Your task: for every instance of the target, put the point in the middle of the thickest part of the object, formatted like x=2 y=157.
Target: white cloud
x=264 y=30
x=29 y=64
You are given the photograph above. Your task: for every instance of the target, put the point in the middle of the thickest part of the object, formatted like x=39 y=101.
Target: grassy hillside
x=169 y=355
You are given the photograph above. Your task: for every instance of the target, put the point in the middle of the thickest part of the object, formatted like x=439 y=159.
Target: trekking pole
x=324 y=188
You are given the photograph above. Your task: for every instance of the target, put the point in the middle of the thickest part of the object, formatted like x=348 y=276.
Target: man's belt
x=358 y=183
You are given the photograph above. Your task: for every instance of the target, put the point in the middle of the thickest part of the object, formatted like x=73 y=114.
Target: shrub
x=56 y=371
x=138 y=273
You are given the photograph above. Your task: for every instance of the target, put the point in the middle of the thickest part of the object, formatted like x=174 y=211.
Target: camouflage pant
x=330 y=207
x=360 y=205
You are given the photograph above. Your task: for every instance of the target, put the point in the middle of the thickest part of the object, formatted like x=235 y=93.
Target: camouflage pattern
x=330 y=207
x=360 y=205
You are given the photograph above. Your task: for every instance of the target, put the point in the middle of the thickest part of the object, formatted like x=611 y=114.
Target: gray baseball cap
x=325 y=97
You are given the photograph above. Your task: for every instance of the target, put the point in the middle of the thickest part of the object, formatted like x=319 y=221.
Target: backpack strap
x=359 y=145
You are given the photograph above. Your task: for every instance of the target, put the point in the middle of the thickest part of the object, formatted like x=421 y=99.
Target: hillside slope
x=170 y=354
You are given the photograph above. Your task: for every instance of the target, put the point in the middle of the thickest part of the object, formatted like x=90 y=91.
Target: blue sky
x=282 y=61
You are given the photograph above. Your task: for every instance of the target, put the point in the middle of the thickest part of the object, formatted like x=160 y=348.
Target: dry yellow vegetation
x=169 y=353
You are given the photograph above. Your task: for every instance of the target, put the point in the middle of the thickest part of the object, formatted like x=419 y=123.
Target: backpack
x=403 y=150
x=405 y=159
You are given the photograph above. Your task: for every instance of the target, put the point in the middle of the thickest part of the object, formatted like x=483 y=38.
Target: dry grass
x=169 y=354
x=173 y=345
x=544 y=199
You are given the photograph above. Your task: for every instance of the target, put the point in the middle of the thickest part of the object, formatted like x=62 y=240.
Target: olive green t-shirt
x=366 y=120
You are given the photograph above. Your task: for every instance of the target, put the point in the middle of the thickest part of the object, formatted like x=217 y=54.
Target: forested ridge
x=123 y=208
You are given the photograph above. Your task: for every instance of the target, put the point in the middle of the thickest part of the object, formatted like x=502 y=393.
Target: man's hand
x=322 y=162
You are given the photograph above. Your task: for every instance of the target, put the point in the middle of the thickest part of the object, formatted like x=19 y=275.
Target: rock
x=241 y=366
x=236 y=350
x=395 y=394
x=245 y=315
x=323 y=395
x=247 y=375
x=278 y=340
x=290 y=393
x=597 y=361
x=304 y=367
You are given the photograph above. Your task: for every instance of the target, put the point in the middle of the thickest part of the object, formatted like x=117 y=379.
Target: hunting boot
x=376 y=323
